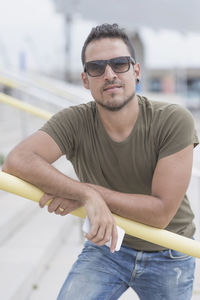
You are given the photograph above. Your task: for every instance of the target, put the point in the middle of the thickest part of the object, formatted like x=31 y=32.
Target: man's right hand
x=103 y=226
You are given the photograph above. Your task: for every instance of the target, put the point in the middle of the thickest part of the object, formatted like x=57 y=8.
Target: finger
x=107 y=236
x=45 y=198
x=99 y=237
x=114 y=239
x=93 y=231
x=66 y=211
x=53 y=206
x=73 y=204
x=61 y=209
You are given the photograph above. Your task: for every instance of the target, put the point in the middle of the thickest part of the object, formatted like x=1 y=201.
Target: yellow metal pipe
x=8 y=82
x=25 y=106
x=154 y=235
x=56 y=90
x=42 y=83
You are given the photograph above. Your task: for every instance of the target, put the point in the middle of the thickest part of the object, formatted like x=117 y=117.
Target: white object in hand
x=120 y=231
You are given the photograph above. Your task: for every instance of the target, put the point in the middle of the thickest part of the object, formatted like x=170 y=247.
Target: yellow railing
x=25 y=106
x=43 y=83
x=8 y=82
x=154 y=235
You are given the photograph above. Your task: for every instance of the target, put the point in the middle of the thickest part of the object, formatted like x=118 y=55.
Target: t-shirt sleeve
x=63 y=128
x=176 y=131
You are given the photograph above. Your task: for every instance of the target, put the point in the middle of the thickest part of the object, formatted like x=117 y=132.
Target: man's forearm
x=34 y=169
x=145 y=209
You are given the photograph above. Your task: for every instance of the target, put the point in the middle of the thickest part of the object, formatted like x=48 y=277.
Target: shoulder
x=171 y=126
x=66 y=127
x=165 y=112
x=71 y=120
x=77 y=111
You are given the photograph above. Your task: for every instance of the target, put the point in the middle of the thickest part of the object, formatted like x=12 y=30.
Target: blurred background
x=46 y=37
x=40 y=65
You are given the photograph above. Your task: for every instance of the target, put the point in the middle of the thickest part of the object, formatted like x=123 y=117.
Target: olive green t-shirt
x=161 y=129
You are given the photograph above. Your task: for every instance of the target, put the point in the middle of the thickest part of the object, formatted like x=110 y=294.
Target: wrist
x=88 y=194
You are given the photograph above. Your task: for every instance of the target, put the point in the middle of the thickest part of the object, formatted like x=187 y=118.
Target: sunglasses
x=120 y=64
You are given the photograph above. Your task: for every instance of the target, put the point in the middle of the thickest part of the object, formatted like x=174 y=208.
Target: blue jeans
x=101 y=275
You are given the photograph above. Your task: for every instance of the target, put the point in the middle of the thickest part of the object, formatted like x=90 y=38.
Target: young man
x=133 y=157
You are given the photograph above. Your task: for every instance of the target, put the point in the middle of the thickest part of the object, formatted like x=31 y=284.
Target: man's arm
x=170 y=182
x=31 y=161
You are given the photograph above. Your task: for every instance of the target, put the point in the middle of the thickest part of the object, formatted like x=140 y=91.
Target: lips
x=111 y=87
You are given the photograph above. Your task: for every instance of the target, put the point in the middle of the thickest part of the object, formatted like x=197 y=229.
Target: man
x=133 y=157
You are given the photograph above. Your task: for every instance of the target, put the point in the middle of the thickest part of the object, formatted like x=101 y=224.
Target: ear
x=137 y=70
x=85 y=80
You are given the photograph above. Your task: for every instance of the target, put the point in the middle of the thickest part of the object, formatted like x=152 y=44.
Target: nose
x=109 y=73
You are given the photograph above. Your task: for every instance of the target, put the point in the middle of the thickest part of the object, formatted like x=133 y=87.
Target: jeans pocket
x=173 y=254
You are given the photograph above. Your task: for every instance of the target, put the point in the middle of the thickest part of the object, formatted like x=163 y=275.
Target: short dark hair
x=107 y=31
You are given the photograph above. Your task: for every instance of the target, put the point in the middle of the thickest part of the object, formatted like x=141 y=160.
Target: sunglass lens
x=120 y=64
x=95 y=68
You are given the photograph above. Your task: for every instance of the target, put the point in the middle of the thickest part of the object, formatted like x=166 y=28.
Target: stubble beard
x=115 y=106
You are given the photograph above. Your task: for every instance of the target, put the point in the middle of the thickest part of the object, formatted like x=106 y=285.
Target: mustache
x=111 y=82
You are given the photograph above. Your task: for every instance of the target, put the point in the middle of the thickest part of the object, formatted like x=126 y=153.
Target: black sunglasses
x=120 y=64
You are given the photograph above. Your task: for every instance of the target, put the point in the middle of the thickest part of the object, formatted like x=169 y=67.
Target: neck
x=119 y=124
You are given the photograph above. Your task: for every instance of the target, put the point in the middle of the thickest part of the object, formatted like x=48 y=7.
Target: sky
x=32 y=36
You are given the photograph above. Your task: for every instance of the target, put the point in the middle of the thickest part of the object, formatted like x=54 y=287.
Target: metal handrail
x=151 y=234
x=25 y=106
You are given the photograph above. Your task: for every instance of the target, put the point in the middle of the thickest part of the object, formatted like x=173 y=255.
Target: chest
x=126 y=167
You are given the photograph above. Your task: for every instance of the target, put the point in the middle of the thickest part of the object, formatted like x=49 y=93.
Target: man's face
x=110 y=90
